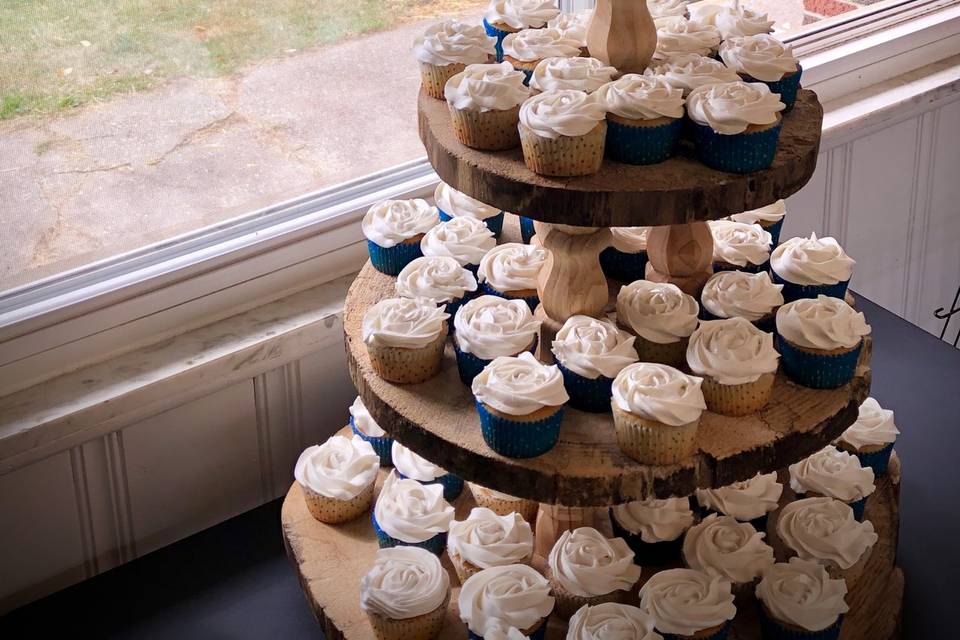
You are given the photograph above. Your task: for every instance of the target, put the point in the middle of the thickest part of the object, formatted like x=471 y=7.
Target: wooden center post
x=681 y=254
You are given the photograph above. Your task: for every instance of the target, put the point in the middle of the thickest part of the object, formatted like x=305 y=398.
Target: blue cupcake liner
x=787 y=86
x=622 y=266
x=539 y=634
x=516 y=439
x=435 y=545
x=817 y=371
x=768 y=324
x=858 y=507
x=532 y=301
x=499 y=34
x=737 y=153
x=719 y=635
x=392 y=261
x=642 y=145
x=451 y=308
x=587 y=394
x=760 y=524
x=877 y=460
x=655 y=554
x=748 y=268
x=381 y=445
x=452 y=485
x=770 y=629
x=526 y=229
x=792 y=292
x=494 y=223
x=774 y=231
x=469 y=365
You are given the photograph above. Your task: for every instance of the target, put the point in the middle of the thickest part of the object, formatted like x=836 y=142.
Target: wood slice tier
x=676 y=191
x=438 y=420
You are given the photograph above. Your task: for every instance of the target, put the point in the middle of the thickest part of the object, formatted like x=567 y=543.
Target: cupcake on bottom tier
x=405 y=339
x=653 y=528
x=408 y=513
x=661 y=316
x=799 y=600
x=486 y=540
x=611 y=621
x=644 y=118
x=737 y=294
x=811 y=267
x=626 y=260
x=747 y=501
x=770 y=218
x=337 y=478
x=440 y=279
x=834 y=474
x=738 y=246
x=489 y=327
x=411 y=465
x=504 y=504
x=871 y=437
x=685 y=603
x=393 y=229
x=363 y=425
x=500 y=598
x=511 y=271
x=734 y=551
x=464 y=239
x=563 y=133
x=824 y=530
x=455 y=204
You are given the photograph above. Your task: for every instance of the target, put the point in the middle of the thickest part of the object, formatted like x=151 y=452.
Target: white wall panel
x=806 y=207
x=327 y=393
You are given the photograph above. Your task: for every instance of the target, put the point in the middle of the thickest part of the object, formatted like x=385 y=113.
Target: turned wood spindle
x=681 y=254
x=621 y=33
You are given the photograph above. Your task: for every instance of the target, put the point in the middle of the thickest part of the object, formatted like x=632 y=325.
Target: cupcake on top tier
x=563 y=133
x=687 y=71
x=445 y=49
x=732 y=21
x=734 y=551
x=585 y=74
x=405 y=339
x=363 y=425
x=337 y=478
x=644 y=118
x=824 y=530
x=440 y=279
x=685 y=603
x=525 y=50
x=484 y=101
x=464 y=239
x=799 y=599
x=677 y=35
x=747 y=500
x=504 y=504
x=511 y=271
x=668 y=8
x=393 y=229
x=409 y=464
x=626 y=260
x=573 y=26
x=763 y=58
x=486 y=540
x=455 y=204
x=738 y=294
x=809 y=267
x=740 y=246
x=871 y=437
x=661 y=316
x=489 y=327
x=611 y=621
x=409 y=513
x=499 y=598
x=834 y=474
x=504 y=17
x=769 y=217
x=653 y=528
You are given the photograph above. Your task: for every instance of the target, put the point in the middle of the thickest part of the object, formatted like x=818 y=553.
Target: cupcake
x=763 y=58
x=609 y=621
x=685 y=603
x=820 y=341
x=411 y=514
x=656 y=412
x=496 y=599
x=484 y=101
x=653 y=528
x=644 y=118
x=738 y=294
x=446 y=48
x=737 y=362
x=363 y=425
x=735 y=125
x=691 y=70
x=835 y=474
x=504 y=504
x=733 y=551
x=747 y=500
x=676 y=36
x=590 y=353
x=740 y=246
x=825 y=531
x=871 y=437
x=405 y=339
x=573 y=26
x=563 y=133
x=626 y=260
x=800 y=601
x=769 y=217
x=809 y=267
x=464 y=239
x=504 y=17
x=486 y=540
x=583 y=74
x=525 y=49
x=410 y=464
x=489 y=327
x=521 y=403
x=511 y=271
x=440 y=279
x=393 y=229
x=527 y=230
x=405 y=594
x=337 y=478
x=586 y=568
x=455 y=204
x=661 y=316
x=668 y=8
x=732 y=21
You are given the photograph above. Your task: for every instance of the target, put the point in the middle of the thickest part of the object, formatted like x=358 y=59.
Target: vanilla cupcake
x=464 y=239
x=626 y=260
x=656 y=413
x=405 y=594
x=486 y=540
x=405 y=339
x=573 y=26
x=676 y=36
x=769 y=217
x=737 y=362
x=691 y=70
x=511 y=271
x=732 y=21
x=590 y=353
x=484 y=101
x=409 y=464
x=653 y=528
x=393 y=229
x=363 y=425
x=409 y=513
x=504 y=504
x=740 y=246
x=446 y=48
x=583 y=74
x=525 y=49
x=747 y=500
x=337 y=478
x=668 y=8
x=489 y=327
x=731 y=550
x=499 y=598
x=521 y=404
x=611 y=621
x=504 y=17
x=456 y=204
x=809 y=267
x=763 y=58
x=871 y=437
x=661 y=316
x=799 y=599
x=685 y=603
x=834 y=474
x=644 y=118
x=738 y=294
x=440 y=279
x=563 y=133
x=824 y=530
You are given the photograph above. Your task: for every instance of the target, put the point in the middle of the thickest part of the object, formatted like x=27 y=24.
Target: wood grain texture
x=622 y=34
x=676 y=191
x=571 y=281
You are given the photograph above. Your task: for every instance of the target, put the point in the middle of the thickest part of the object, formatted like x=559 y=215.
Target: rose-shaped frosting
x=657 y=311
x=562 y=113
x=572 y=26
x=730 y=107
x=731 y=351
x=658 y=392
x=684 y=601
x=593 y=348
x=771 y=213
x=490 y=326
x=676 y=35
x=585 y=74
x=585 y=563
x=732 y=21
x=833 y=473
x=390 y=222
x=521 y=14
x=723 y=547
x=456 y=203
x=802 y=593
x=440 y=279
x=812 y=260
x=464 y=239
x=512 y=266
x=454 y=42
x=691 y=70
x=536 y=44
x=404 y=582
x=514 y=595
x=413 y=465
x=640 y=97
x=519 y=385
x=403 y=322
x=825 y=323
x=824 y=529
x=410 y=511
x=486 y=87
x=738 y=294
x=611 y=621
x=761 y=57
x=740 y=244
x=364 y=422
x=874 y=427
x=655 y=520
x=630 y=239
x=667 y=8
x=744 y=500
x=487 y=540
x=339 y=468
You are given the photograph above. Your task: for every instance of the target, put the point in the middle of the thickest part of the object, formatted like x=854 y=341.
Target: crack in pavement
x=93 y=169
x=231 y=118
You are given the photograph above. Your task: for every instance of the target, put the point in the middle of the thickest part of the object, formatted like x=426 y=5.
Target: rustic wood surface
x=676 y=191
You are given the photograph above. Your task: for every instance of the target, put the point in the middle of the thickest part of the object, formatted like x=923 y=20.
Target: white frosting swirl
x=486 y=87
x=641 y=97
x=721 y=546
x=657 y=311
x=658 y=392
x=514 y=595
x=410 y=511
x=454 y=42
x=874 y=427
x=585 y=563
x=630 y=239
x=676 y=35
x=464 y=239
x=740 y=244
x=573 y=26
x=413 y=465
x=738 y=294
x=404 y=582
x=521 y=14
x=531 y=45
x=730 y=107
x=611 y=621
x=339 y=468
x=731 y=351
x=487 y=540
x=812 y=260
x=732 y=21
x=403 y=322
x=562 y=113
x=761 y=57
x=824 y=529
x=364 y=421
x=744 y=500
x=802 y=593
x=456 y=203
x=691 y=70
x=585 y=74
x=825 y=323
x=655 y=520
x=593 y=348
x=440 y=279
x=390 y=222
x=771 y=213
x=667 y=8
x=519 y=385
x=832 y=473
x=490 y=326
x=512 y=266
x=684 y=601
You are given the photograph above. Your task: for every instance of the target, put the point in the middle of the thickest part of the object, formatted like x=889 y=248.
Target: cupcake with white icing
x=526 y=49
x=685 y=603
x=521 y=403
x=590 y=353
x=644 y=118
x=731 y=550
x=611 y=621
x=738 y=294
x=668 y=8
x=769 y=217
x=393 y=229
x=446 y=48
x=732 y=21
x=676 y=36
x=763 y=58
x=661 y=316
x=799 y=599
x=563 y=133
x=500 y=598
x=820 y=341
x=489 y=327
x=410 y=464
x=583 y=74
x=455 y=204
x=626 y=260
x=656 y=413
x=824 y=530
x=409 y=513
x=504 y=504
x=486 y=540
x=363 y=425
x=835 y=474
x=573 y=26
x=809 y=267
x=337 y=478
x=484 y=102
x=691 y=70
x=405 y=594
x=871 y=437
x=464 y=239
x=653 y=528
x=439 y=278
x=405 y=339
x=511 y=271
x=740 y=246
x=504 y=17
x=737 y=362
x=747 y=500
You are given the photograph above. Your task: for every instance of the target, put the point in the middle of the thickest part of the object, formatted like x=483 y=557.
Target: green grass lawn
x=57 y=54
